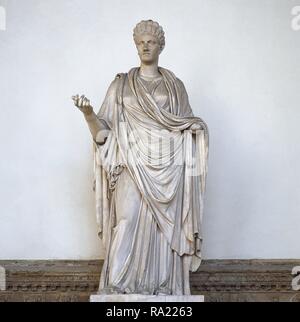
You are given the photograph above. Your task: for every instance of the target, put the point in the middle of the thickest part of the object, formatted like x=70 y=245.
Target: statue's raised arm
x=98 y=127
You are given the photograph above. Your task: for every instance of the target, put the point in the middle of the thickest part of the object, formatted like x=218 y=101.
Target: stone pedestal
x=145 y=298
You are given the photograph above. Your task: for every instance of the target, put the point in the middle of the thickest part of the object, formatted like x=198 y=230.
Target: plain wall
x=239 y=61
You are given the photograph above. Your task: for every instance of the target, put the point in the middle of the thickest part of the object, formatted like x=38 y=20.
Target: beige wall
x=239 y=61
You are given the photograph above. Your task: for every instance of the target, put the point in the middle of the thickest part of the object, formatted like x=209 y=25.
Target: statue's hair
x=150 y=27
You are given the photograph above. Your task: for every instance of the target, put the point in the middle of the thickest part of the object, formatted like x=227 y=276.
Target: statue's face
x=148 y=48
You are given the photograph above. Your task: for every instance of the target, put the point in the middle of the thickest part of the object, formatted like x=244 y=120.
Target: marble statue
x=150 y=170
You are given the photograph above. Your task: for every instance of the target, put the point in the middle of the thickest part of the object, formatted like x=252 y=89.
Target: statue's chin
x=148 y=60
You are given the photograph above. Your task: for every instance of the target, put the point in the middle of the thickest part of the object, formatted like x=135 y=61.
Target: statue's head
x=149 y=38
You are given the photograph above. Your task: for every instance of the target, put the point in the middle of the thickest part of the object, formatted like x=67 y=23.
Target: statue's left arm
x=186 y=109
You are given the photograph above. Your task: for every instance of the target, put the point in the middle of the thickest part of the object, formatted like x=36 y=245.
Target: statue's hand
x=196 y=127
x=83 y=104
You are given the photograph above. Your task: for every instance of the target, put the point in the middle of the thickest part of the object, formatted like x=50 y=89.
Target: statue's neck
x=150 y=70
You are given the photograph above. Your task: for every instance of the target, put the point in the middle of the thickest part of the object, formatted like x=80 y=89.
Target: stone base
x=145 y=298
x=218 y=280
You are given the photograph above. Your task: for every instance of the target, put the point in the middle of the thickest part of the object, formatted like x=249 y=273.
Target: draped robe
x=149 y=183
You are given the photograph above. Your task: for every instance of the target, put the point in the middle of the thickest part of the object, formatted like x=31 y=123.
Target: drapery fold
x=165 y=159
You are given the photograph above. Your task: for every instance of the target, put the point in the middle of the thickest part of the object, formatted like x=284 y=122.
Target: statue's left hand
x=196 y=127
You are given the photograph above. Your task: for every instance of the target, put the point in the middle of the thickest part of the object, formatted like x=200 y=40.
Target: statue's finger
x=87 y=102
x=77 y=98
